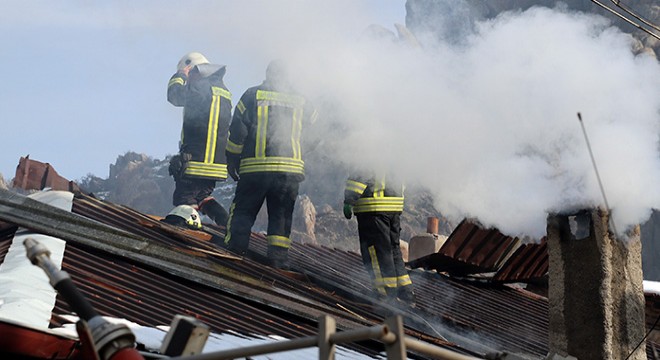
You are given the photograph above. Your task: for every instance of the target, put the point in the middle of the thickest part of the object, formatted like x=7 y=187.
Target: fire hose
x=109 y=341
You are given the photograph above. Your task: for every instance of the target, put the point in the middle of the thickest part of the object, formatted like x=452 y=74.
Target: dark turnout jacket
x=267 y=129
x=207 y=107
x=373 y=194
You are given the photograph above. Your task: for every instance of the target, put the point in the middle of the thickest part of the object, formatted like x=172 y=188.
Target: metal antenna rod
x=631 y=13
x=626 y=19
x=600 y=184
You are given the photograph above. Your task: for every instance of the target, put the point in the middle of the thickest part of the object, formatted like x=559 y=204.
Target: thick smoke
x=487 y=122
x=491 y=127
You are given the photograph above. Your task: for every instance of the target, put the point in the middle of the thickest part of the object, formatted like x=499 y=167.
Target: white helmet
x=189 y=215
x=192 y=59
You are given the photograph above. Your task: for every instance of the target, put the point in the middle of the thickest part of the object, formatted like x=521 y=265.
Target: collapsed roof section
x=494 y=257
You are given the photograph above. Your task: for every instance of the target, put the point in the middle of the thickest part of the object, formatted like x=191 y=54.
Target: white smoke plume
x=491 y=127
x=487 y=123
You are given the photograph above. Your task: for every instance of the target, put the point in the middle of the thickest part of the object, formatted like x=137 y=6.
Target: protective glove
x=348 y=211
x=232 y=170
x=233 y=163
x=175 y=167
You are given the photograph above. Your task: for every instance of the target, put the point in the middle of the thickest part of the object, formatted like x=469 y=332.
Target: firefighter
x=378 y=203
x=198 y=87
x=265 y=156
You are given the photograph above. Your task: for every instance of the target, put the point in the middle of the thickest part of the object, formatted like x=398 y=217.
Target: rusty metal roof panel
x=470 y=249
x=529 y=262
x=474 y=245
x=150 y=297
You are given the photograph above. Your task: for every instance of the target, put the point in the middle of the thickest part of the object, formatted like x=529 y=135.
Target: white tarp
x=652 y=287
x=26 y=296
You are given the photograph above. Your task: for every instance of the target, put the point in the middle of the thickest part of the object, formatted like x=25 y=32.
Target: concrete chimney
x=428 y=243
x=596 y=294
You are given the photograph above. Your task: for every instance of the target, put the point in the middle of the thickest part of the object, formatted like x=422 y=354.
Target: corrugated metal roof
x=529 y=262
x=474 y=245
x=471 y=249
x=245 y=290
x=334 y=271
x=245 y=296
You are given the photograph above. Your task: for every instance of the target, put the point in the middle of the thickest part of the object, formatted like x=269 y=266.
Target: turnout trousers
x=197 y=193
x=191 y=191
x=279 y=190
x=381 y=255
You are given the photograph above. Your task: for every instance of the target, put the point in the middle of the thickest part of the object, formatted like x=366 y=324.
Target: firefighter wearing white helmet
x=198 y=87
x=184 y=215
x=190 y=60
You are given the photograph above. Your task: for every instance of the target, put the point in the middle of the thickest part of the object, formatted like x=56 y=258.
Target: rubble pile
x=142 y=183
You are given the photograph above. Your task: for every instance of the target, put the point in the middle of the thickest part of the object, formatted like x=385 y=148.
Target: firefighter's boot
x=406 y=295
x=211 y=208
x=278 y=257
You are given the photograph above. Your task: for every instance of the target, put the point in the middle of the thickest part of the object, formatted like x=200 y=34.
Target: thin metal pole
x=626 y=19
x=631 y=13
x=434 y=351
x=396 y=350
x=327 y=327
x=600 y=184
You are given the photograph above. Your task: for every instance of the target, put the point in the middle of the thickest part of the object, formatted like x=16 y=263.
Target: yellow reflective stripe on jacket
x=218 y=91
x=234 y=148
x=272 y=164
x=355 y=186
x=240 y=106
x=210 y=170
x=296 y=131
x=262 y=129
x=176 y=80
x=276 y=98
x=278 y=240
x=212 y=131
x=379 y=188
x=388 y=204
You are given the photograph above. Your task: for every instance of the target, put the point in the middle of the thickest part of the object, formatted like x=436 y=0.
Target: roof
x=32 y=174
x=131 y=265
